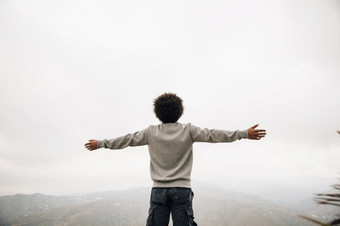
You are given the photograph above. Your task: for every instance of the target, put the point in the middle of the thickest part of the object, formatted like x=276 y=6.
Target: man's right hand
x=91 y=145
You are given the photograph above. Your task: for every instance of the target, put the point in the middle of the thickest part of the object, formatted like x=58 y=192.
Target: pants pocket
x=150 y=220
x=190 y=213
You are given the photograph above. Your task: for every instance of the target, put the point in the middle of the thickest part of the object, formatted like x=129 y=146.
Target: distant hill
x=213 y=206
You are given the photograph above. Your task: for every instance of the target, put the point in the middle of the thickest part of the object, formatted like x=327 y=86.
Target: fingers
x=90 y=145
x=259 y=134
x=259 y=130
x=253 y=127
x=256 y=134
x=258 y=137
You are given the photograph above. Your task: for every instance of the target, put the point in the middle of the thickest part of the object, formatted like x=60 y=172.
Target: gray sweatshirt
x=170 y=149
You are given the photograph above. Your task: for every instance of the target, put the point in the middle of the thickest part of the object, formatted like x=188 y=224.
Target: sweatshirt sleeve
x=132 y=139
x=215 y=136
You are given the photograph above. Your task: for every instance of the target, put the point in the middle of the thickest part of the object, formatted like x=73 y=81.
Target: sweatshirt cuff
x=244 y=134
x=100 y=144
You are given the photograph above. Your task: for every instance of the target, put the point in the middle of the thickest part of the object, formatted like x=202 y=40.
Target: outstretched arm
x=256 y=134
x=132 y=139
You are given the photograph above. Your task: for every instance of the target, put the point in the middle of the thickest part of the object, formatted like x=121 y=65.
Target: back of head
x=168 y=107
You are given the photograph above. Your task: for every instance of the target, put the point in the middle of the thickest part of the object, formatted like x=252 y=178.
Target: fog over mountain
x=213 y=206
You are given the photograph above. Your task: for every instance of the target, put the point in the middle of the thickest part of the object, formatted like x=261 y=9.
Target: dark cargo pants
x=176 y=200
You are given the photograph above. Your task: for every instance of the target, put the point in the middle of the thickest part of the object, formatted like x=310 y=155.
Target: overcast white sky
x=75 y=70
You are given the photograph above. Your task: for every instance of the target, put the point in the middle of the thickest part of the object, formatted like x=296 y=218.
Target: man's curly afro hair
x=168 y=107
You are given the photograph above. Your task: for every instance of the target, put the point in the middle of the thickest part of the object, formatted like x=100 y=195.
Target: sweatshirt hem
x=168 y=184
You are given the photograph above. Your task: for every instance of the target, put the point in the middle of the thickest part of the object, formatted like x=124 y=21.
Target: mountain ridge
x=213 y=205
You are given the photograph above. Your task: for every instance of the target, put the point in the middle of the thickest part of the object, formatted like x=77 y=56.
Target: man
x=170 y=148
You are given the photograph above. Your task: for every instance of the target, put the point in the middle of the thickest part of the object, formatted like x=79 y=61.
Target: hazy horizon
x=73 y=71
